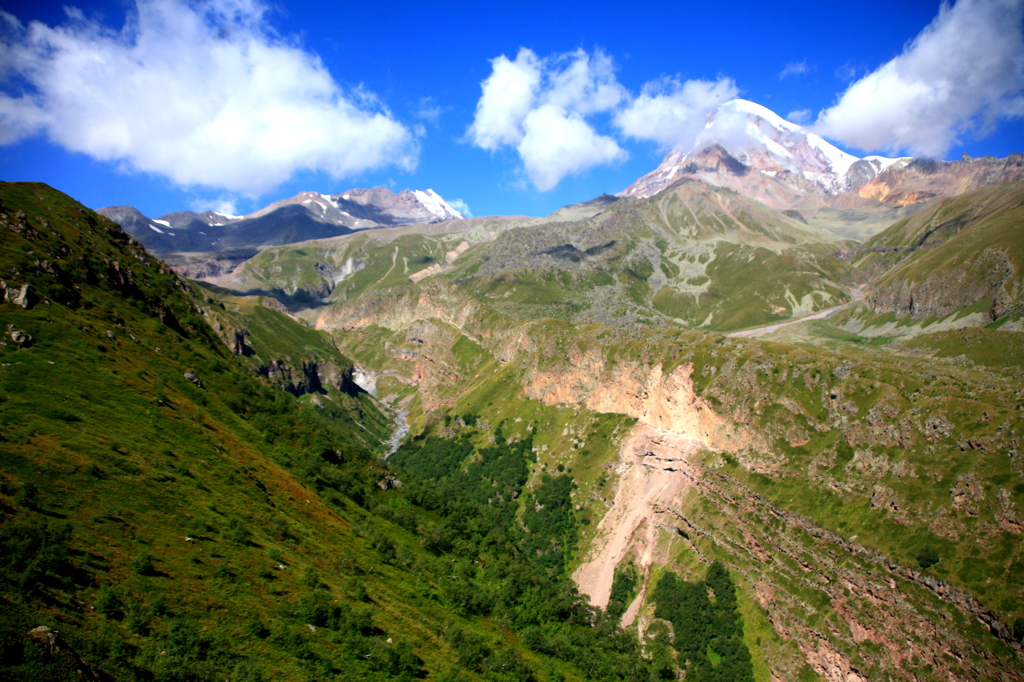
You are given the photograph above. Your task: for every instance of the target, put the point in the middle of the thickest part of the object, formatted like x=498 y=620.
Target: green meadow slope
x=170 y=516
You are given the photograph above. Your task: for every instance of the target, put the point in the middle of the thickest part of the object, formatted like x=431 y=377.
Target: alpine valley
x=756 y=417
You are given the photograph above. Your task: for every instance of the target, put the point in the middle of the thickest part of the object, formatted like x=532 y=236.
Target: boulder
x=22 y=338
x=22 y=295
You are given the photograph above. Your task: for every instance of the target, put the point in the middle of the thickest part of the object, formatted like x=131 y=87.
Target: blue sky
x=233 y=104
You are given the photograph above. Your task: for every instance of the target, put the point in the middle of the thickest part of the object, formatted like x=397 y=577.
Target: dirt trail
x=857 y=294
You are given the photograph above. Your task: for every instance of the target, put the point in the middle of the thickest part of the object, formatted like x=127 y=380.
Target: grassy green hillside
x=172 y=517
x=694 y=256
x=853 y=464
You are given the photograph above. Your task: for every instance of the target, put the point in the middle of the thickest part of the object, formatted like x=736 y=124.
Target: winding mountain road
x=856 y=294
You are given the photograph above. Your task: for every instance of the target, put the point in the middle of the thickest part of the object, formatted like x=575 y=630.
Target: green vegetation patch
x=708 y=625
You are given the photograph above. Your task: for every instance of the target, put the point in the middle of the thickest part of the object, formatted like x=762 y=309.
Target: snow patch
x=161 y=222
x=882 y=162
x=329 y=199
x=436 y=205
x=156 y=229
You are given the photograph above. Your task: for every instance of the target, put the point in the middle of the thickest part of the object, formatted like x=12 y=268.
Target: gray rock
x=191 y=376
x=21 y=338
x=22 y=295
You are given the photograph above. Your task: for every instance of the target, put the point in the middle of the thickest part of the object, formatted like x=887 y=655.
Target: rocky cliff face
x=953 y=255
x=664 y=402
x=990 y=275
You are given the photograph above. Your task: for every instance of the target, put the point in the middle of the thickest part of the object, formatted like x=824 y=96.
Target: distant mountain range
x=744 y=147
x=308 y=215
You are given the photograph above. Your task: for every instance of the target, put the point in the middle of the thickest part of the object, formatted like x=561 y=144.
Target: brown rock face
x=665 y=402
x=990 y=275
x=924 y=179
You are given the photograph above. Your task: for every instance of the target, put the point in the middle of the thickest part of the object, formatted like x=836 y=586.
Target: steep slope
x=819 y=479
x=924 y=179
x=181 y=231
x=165 y=515
x=367 y=208
x=305 y=276
x=961 y=256
x=756 y=139
x=695 y=256
x=865 y=501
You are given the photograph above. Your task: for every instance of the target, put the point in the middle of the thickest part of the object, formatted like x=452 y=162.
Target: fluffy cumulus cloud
x=203 y=93
x=673 y=114
x=962 y=74
x=508 y=95
x=543 y=107
x=550 y=109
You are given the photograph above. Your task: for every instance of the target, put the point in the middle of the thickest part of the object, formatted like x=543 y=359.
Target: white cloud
x=800 y=116
x=508 y=95
x=541 y=106
x=203 y=93
x=557 y=143
x=962 y=73
x=795 y=69
x=846 y=72
x=674 y=114
x=429 y=110
x=462 y=207
x=224 y=204
x=549 y=110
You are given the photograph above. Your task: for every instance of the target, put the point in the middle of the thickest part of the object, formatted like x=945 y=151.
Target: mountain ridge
x=307 y=215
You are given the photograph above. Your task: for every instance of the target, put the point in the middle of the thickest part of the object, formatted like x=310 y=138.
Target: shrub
x=928 y=557
x=28 y=496
x=108 y=603
x=144 y=563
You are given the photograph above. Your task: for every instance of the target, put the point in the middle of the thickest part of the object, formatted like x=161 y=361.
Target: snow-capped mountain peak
x=436 y=205
x=762 y=141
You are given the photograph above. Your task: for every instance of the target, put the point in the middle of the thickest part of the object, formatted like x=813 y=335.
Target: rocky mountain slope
x=957 y=263
x=820 y=478
x=864 y=494
x=677 y=258
x=744 y=137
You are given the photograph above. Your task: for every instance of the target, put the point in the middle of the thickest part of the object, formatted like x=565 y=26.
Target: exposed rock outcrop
x=991 y=275
x=306 y=376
